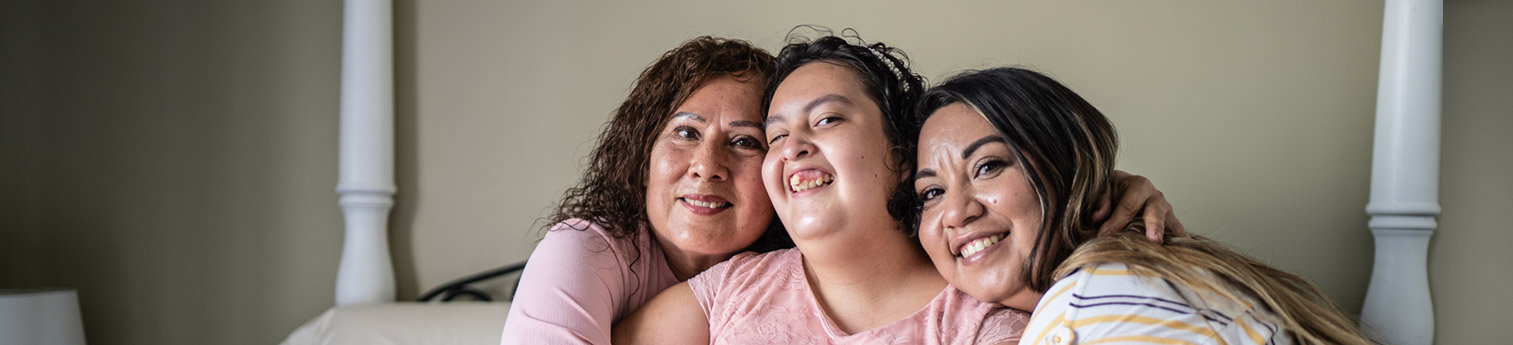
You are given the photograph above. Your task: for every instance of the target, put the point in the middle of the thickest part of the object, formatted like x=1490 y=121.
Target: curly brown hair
x=612 y=193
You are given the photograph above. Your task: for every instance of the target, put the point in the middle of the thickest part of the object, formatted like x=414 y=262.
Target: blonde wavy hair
x=1067 y=149
x=1207 y=265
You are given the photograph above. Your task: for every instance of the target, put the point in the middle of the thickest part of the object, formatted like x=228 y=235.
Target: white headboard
x=366 y=181
x=1405 y=173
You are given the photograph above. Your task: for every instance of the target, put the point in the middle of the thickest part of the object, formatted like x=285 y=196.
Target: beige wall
x=1469 y=256
x=175 y=162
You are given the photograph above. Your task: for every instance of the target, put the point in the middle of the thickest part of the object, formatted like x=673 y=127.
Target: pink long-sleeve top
x=580 y=281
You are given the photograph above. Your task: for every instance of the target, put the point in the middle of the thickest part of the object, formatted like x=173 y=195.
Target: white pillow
x=405 y=323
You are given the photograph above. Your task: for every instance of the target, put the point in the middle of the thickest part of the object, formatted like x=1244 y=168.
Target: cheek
x=654 y=182
x=1026 y=209
x=753 y=191
x=772 y=177
x=664 y=166
x=1016 y=201
x=935 y=244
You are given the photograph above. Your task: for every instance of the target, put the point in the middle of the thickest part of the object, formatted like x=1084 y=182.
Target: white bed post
x=1405 y=173
x=366 y=180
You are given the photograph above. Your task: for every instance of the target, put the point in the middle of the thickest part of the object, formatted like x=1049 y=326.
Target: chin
x=806 y=226
x=990 y=289
x=708 y=246
x=991 y=295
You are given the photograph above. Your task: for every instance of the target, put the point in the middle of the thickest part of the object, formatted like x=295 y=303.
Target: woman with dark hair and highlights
x=673 y=187
x=838 y=174
x=1010 y=160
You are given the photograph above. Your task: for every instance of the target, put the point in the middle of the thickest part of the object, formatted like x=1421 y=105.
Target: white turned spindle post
x=1405 y=173
x=366 y=183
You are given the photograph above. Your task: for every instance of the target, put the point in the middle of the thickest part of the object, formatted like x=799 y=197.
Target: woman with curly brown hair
x=673 y=187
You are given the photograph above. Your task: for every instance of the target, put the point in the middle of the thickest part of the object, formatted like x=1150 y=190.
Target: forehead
x=722 y=99
x=949 y=130
x=817 y=79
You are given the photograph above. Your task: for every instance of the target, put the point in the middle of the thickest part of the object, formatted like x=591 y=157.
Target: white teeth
x=979 y=244
x=798 y=185
x=705 y=204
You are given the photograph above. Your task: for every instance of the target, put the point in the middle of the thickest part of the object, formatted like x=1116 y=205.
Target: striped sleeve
x=1108 y=305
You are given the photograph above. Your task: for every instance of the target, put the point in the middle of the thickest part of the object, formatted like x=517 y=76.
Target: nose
x=961 y=208
x=795 y=147
x=710 y=162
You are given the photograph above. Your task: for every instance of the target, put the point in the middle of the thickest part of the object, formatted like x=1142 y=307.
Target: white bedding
x=469 y=323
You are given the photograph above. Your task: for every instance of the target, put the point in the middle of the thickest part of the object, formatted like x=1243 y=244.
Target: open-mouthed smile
x=809 y=179
x=975 y=247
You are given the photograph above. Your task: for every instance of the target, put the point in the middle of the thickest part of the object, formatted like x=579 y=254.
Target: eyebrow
x=737 y=123
x=991 y=138
x=830 y=98
x=747 y=123
x=923 y=174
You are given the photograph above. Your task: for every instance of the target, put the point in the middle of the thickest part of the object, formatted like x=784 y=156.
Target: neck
x=684 y=264
x=1024 y=300
x=874 y=259
x=870 y=279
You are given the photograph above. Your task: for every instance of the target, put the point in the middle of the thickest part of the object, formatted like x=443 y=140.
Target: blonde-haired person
x=1008 y=162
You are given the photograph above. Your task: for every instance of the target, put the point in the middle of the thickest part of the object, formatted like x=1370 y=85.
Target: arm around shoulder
x=673 y=317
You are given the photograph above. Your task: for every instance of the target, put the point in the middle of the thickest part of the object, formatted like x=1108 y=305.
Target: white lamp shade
x=40 y=317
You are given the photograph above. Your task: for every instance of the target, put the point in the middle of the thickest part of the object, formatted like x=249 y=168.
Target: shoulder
x=1081 y=303
x=578 y=255
x=753 y=263
x=672 y=317
x=1107 y=302
x=576 y=283
x=1114 y=288
x=583 y=240
x=579 y=228
x=734 y=284
x=965 y=320
x=1003 y=324
x=744 y=267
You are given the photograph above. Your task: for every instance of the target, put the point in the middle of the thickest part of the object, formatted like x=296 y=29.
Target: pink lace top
x=765 y=299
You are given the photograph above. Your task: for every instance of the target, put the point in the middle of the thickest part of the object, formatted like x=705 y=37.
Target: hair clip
x=891 y=65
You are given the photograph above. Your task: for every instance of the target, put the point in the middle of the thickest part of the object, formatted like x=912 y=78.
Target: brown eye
x=930 y=194
x=686 y=133
x=991 y=167
x=746 y=142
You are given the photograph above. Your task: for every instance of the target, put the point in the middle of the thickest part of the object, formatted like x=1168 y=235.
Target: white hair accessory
x=891 y=65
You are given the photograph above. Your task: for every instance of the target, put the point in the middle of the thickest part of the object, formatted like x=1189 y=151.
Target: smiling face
x=828 y=165
x=704 y=192
x=980 y=213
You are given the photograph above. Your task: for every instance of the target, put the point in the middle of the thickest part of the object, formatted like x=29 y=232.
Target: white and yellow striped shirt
x=1109 y=305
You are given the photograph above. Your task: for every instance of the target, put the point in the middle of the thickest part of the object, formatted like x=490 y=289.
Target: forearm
x=673 y=317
